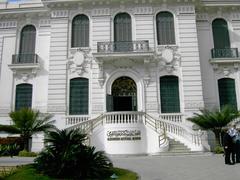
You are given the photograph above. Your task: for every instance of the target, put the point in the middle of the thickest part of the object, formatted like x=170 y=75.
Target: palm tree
x=28 y=122
x=66 y=156
x=215 y=120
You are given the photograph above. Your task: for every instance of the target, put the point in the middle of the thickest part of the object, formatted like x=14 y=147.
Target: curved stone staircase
x=183 y=139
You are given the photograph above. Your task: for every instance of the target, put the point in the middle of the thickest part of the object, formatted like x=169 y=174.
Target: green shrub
x=25 y=153
x=219 y=150
x=66 y=157
x=9 y=149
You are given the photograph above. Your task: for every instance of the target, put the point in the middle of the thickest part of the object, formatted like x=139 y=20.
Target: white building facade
x=126 y=72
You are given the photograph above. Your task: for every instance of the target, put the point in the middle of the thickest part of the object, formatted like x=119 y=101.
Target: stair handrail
x=178 y=129
x=88 y=125
x=154 y=124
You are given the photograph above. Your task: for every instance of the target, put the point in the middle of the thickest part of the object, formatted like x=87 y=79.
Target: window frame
x=174 y=29
x=179 y=94
x=71 y=32
x=235 y=86
x=69 y=97
x=15 y=100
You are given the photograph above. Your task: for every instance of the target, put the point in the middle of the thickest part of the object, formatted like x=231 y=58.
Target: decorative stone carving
x=77 y=62
x=143 y=10
x=226 y=69
x=101 y=77
x=59 y=14
x=25 y=75
x=44 y=23
x=101 y=12
x=168 y=58
x=186 y=10
x=8 y=24
x=147 y=77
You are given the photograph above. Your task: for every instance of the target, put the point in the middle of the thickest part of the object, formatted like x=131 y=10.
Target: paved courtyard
x=188 y=167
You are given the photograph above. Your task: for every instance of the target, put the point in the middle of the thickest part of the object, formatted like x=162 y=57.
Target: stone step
x=191 y=153
x=177 y=147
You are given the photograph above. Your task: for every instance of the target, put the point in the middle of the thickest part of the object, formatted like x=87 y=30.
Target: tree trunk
x=26 y=143
x=217 y=133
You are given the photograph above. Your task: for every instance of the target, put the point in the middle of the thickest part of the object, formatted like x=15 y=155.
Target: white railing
x=123 y=117
x=167 y=123
x=172 y=117
x=178 y=130
x=154 y=124
x=87 y=125
x=72 y=119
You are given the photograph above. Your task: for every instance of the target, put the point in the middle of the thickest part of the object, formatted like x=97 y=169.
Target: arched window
x=169 y=94
x=227 y=92
x=123 y=32
x=80 y=31
x=27 y=44
x=220 y=34
x=78 y=101
x=23 y=97
x=165 y=28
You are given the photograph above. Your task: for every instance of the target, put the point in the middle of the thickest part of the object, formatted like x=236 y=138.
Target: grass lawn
x=29 y=173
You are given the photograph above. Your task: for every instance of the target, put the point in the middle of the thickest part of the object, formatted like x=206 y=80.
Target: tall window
x=27 y=44
x=23 y=96
x=123 y=32
x=78 y=96
x=80 y=31
x=169 y=94
x=165 y=28
x=220 y=34
x=227 y=92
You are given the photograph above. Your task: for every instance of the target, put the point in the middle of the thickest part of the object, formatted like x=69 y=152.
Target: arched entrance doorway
x=123 y=96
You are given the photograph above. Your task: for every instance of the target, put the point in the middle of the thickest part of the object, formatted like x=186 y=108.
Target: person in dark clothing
x=237 y=147
x=228 y=148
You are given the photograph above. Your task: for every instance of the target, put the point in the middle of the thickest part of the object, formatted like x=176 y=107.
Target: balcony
x=231 y=53
x=124 y=47
x=24 y=63
x=127 y=49
x=24 y=59
x=224 y=57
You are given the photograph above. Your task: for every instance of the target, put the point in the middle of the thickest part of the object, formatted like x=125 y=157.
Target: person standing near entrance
x=228 y=147
x=236 y=142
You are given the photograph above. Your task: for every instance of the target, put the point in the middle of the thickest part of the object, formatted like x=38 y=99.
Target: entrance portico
x=124 y=92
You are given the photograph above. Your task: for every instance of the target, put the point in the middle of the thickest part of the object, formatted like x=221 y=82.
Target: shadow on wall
x=42 y=70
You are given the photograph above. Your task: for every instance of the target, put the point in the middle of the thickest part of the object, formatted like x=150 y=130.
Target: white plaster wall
x=6 y=82
x=205 y=45
x=149 y=143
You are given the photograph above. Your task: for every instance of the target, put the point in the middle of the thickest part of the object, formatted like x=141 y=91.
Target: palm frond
x=9 y=129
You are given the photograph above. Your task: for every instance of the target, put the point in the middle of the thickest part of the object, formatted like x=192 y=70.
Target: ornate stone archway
x=124 y=95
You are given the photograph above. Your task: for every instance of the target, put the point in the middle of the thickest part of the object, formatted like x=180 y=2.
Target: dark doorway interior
x=122 y=103
x=124 y=95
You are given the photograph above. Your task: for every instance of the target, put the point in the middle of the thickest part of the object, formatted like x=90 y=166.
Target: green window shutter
x=169 y=94
x=79 y=94
x=28 y=40
x=227 y=92
x=122 y=27
x=165 y=28
x=80 y=31
x=220 y=34
x=27 y=43
x=23 y=97
x=123 y=32
x=109 y=103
